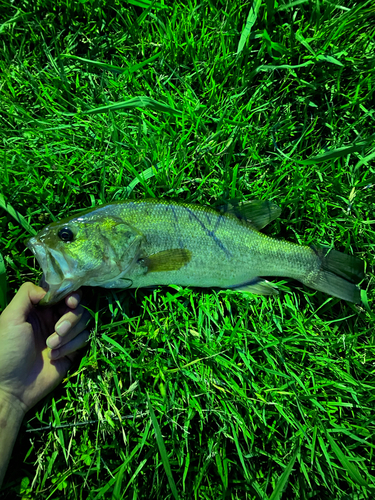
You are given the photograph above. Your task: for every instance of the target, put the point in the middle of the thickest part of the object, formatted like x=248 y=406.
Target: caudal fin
x=338 y=274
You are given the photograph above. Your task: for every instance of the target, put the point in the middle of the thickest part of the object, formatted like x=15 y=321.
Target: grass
x=186 y=393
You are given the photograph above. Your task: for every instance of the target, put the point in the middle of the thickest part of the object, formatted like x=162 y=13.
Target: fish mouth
x=57 y=274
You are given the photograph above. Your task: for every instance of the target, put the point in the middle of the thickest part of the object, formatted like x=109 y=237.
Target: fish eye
x=65 y=234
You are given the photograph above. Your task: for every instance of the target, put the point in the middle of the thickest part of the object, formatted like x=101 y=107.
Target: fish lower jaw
x=57 y=292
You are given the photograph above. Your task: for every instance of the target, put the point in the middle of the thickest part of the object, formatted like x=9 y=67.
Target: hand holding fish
x=29 y=369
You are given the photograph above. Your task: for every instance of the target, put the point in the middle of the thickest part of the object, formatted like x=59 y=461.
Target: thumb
x=27 y=296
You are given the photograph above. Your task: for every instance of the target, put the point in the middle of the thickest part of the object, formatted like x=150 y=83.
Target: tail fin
x=337 y=274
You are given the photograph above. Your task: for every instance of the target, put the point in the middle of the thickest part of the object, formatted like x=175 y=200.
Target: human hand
x=30 y=369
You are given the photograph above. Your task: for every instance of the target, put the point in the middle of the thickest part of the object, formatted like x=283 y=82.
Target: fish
x=151 y=242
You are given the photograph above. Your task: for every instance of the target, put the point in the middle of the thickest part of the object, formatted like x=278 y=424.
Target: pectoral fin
x=167 y=260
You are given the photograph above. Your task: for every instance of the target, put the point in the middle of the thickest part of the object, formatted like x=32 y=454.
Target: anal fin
x=256 y=286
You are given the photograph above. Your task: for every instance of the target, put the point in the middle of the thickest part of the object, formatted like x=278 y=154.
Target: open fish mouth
x=43 y=283
x=56 y=278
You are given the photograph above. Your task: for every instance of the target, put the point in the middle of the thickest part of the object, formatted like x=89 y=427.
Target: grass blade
x=283 y=479
x=138 y=470
x=116 y=495
x=339 y=152
x=3 y=284
x=239 y=451
x=251 y=18
x=60 y=432
x=146 y=4
x=329 y=59
x=16 y=215
x=119 y=472
x=144 y=176
x=162 y=450
x=291 y=4
x=350 y=468
x=136 y=102
x=117 y=345
x=110 y=67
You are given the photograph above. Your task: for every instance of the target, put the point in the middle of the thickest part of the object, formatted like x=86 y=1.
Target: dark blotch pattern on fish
x=218 y=221
x=209 y=233
x=176 y=226
x=174 y=213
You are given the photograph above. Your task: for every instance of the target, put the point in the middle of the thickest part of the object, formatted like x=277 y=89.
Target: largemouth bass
x=133 y=244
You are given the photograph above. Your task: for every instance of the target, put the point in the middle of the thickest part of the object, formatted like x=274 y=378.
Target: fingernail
x=63 y=327
x=73 y=300
x=54 y=354
x=53 y=341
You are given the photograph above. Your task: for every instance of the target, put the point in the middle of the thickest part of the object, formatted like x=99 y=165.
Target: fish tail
x=336 y=274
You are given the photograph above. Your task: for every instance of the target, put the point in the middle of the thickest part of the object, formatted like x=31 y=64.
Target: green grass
x=197 y=394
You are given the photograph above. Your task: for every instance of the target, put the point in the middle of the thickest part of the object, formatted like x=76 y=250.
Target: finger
x=74 y=332
x=70 y=325
x=69 y=319
x=71 y=347
x=74 y=299
x=27 y=296
x=70 y=302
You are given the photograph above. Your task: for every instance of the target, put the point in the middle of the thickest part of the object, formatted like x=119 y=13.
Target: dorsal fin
x=258 y=213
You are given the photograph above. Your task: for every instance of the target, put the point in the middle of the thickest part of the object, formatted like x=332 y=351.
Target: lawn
x=184 y=393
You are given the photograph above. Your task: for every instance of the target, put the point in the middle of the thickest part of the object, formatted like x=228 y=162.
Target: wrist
x=11 y=415
x=12 y=405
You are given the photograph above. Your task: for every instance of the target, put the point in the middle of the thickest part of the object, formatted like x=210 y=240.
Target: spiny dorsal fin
x=258 y=213
x=167 y=260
